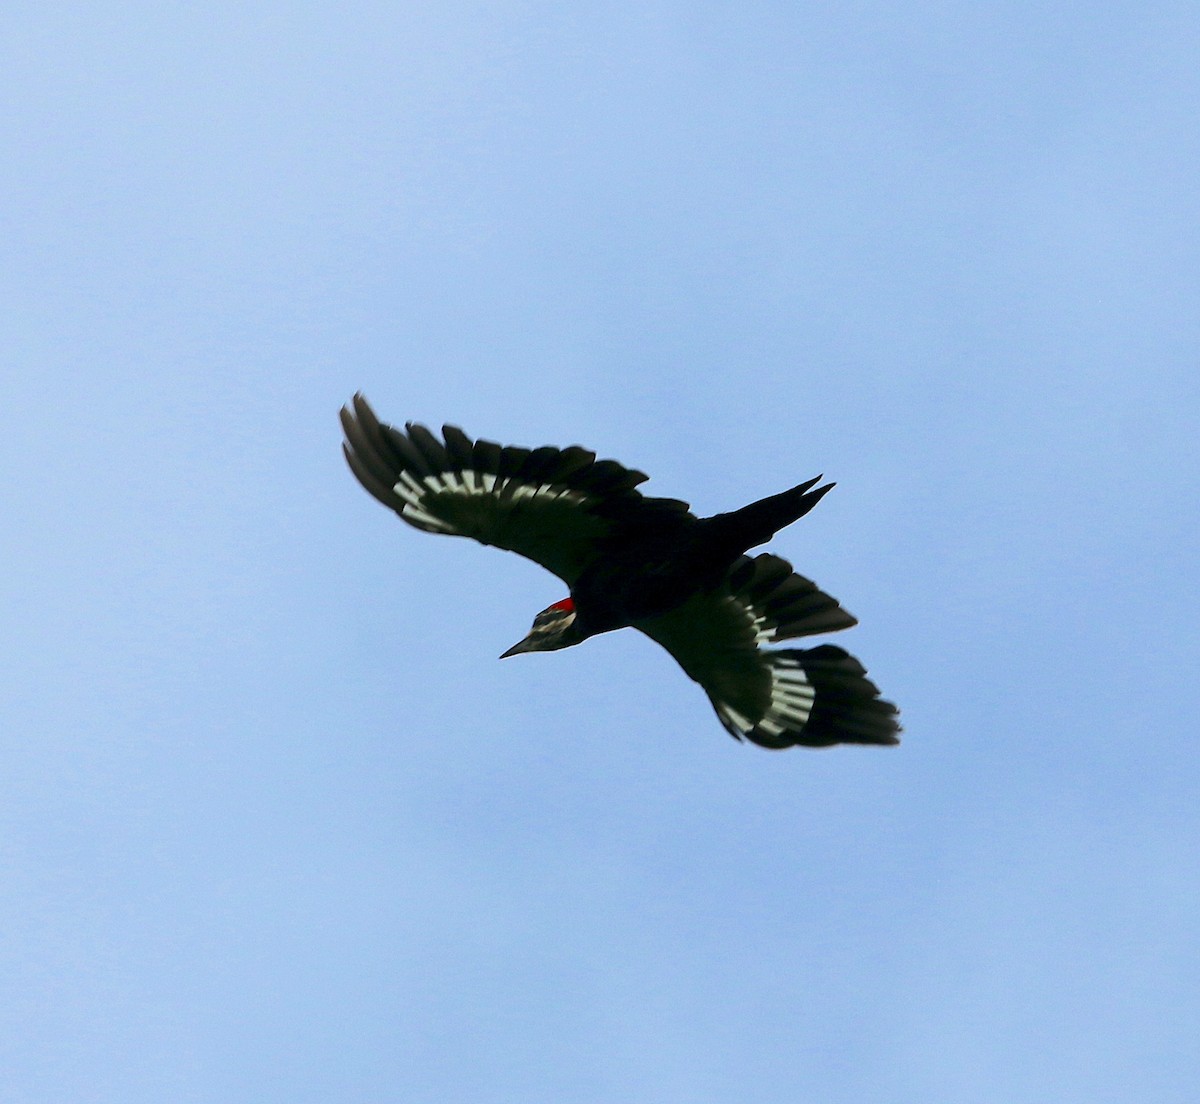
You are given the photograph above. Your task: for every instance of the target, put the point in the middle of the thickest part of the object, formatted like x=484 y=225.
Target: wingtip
x=353 y=408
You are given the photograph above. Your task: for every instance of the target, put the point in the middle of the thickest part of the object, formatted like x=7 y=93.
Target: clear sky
x=277 y=826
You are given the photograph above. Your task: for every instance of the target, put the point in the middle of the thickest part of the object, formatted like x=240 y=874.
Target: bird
x=634 y=561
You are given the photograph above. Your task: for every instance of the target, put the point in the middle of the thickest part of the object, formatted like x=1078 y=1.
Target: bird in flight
x=647 y=563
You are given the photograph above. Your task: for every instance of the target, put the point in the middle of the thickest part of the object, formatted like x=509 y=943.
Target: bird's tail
x=819 y=697
x=757 y=523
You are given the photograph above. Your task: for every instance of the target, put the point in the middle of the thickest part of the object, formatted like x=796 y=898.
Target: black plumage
x=645 y=562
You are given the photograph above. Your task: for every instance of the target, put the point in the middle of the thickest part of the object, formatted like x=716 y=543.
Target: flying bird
x=647 y=563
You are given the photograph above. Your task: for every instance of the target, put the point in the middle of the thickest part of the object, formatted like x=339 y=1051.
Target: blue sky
x=275 y=825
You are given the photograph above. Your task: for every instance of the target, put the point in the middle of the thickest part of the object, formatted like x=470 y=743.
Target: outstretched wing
x=817 y=696
x=554 y=506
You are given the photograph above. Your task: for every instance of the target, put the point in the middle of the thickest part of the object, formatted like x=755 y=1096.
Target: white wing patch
x=414 y=491
x=553 y=506
x=764 y=627
x=790 y=704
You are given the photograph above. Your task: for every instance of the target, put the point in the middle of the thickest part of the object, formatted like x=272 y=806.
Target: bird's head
x=553 y=628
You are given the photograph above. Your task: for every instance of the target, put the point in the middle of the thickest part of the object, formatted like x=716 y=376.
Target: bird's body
x=644 y=574
x=647 y=563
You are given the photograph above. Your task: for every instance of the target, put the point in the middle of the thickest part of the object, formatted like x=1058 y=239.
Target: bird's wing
x=816 y=696
x=554 y=506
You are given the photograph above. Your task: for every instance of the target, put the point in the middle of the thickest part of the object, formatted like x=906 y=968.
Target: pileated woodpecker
x=643 y=562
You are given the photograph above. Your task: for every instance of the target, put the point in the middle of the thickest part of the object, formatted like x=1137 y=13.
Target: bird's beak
x=516 y=649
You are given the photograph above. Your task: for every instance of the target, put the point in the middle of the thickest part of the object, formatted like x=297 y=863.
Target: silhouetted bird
x=643 y=562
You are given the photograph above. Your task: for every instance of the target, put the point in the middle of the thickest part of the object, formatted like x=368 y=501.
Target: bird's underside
x=649 y=563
